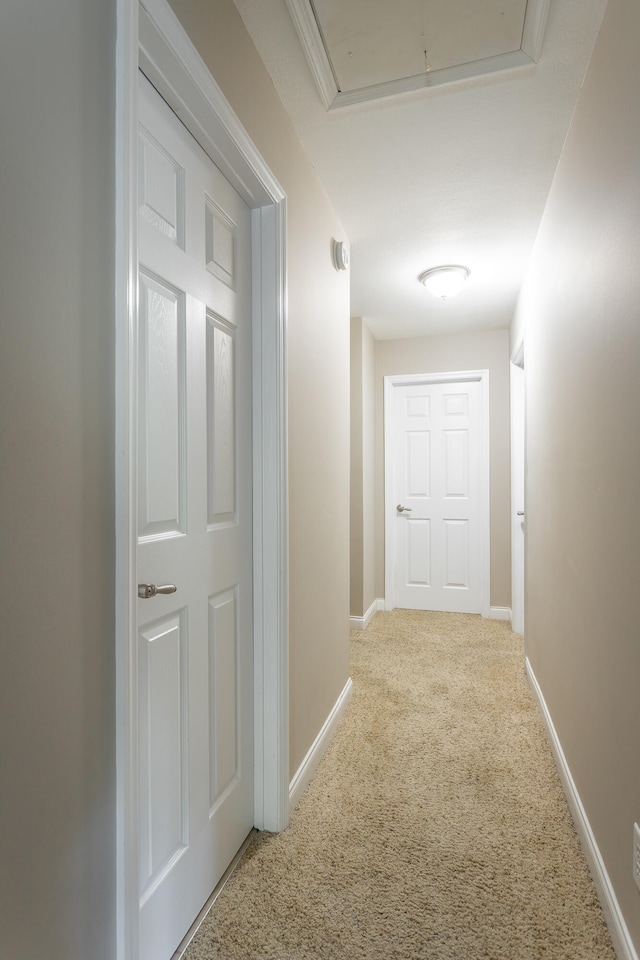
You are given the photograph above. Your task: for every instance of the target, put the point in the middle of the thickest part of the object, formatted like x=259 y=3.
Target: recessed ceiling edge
x=313 y=45
x=310 y=37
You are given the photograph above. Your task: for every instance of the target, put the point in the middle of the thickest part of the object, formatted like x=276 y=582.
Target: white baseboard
x=622 y=942
x=499 y=613
x=304 y=773
x=361 y=623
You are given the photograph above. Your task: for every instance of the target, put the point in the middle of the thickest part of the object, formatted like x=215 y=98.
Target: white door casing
x=195 y=645
x=437 y=492
x=517 y=390
x=150 y=36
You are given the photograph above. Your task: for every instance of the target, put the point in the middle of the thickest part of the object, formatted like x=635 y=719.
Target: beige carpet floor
x=435 y=827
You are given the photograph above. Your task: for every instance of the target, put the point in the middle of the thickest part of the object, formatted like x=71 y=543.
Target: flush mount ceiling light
x=445 y=281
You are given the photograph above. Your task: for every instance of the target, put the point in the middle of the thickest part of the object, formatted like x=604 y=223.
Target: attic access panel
x=361 y=50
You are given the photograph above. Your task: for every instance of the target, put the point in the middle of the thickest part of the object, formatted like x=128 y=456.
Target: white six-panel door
x=436 y=506
x=195 y=680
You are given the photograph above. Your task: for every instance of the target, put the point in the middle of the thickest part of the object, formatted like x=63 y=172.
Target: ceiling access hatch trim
x=313 y=44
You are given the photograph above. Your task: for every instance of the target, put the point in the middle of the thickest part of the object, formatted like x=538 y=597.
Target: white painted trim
x=517 y=354
x=150 y=36
x=310 y=36
x=535 y=23
x=271 y=525
x=318 y=748
x=461 y=376
x=435 y=78
x=314 y=48
x=517 y=429
x=499 y=613
x=618 y=930
x=126 y=363
x=192 y=93
x=361 y=623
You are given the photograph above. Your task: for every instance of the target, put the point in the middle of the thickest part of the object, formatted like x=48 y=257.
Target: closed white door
x=195 y=647
x=436 y=506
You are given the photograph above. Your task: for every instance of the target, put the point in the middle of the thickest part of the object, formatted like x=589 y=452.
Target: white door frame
x=518 y=529
x=404 y=380
x=151 y=38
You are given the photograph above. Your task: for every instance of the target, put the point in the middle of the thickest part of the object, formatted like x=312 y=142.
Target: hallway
x=435 y=827
x=69 y=884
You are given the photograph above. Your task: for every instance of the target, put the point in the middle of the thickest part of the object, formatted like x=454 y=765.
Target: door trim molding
x=151 y=38
x=517 y=442
x=403 y=380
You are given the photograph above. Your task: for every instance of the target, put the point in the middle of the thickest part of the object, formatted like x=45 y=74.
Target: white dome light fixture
x=446 y=281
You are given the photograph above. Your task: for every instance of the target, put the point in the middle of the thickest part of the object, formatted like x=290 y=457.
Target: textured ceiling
x=457 y=173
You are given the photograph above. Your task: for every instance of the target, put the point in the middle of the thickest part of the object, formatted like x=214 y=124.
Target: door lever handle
x=520 y=513
x=402 y=509
x=148 y=590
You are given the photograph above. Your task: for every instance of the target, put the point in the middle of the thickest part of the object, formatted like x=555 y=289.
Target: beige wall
x=363 y=426
x=479 y=351
x=580 y=309
x=57 y=403
x=318 y=368
x=57 y=673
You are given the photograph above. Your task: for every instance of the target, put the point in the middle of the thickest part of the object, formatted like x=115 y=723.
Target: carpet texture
x=435 y=827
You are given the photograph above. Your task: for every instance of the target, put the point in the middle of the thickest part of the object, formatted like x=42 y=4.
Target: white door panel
x=436 y=479
x=161 y=408
x=195 y=653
